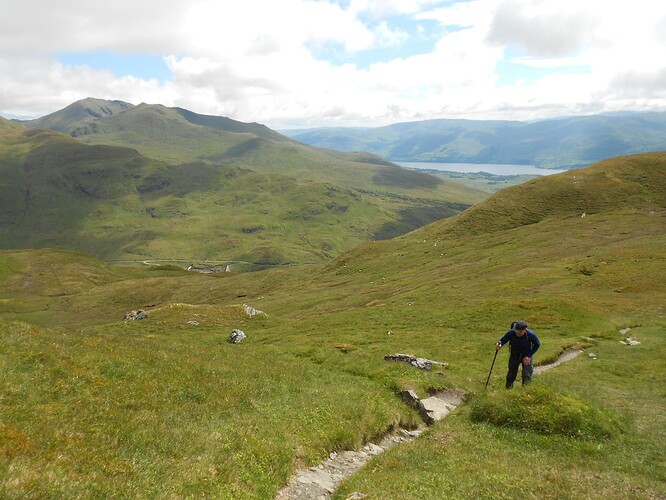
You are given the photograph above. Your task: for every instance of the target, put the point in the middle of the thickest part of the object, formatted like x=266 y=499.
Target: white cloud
x=544 y=27
x=262 y=60
x=379 y=9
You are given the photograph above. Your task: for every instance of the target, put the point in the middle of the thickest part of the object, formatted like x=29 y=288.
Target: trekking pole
x=491 y=368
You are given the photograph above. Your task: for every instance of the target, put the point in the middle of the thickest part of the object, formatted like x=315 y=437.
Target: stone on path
x=434 y=409
x=439 y=405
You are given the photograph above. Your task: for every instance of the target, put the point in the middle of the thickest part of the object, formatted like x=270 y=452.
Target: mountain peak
x=79 y=114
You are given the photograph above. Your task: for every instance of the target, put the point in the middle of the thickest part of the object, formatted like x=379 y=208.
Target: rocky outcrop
x=251 y=312
x=422 y=363
x=132 y=315
x=630 y=341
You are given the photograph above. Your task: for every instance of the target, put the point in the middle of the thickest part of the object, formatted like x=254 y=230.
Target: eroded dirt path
x=564 y=357
x=319 y=482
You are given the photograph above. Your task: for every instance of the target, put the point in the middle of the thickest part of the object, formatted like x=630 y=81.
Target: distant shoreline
x=491 y=168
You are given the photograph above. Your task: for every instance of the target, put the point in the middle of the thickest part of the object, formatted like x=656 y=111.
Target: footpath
x=320 y=481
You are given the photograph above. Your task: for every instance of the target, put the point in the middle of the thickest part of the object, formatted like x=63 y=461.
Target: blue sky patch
x=421 y=37
x=511 y=71
x=144 y=66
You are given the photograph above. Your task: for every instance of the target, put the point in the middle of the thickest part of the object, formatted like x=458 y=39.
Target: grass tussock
x=543 y=410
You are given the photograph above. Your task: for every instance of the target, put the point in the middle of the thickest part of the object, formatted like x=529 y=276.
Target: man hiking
x=523 y=344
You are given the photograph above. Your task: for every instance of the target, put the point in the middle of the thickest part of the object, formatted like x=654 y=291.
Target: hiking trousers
x=515 y=361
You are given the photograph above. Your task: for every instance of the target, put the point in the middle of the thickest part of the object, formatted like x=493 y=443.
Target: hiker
x=523 y=343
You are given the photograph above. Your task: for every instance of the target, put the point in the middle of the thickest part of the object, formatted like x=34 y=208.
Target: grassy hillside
x=167 y=134
x=115 y=203
x=95 y=406
x=176 y=136
x=6 y=125
x=76 y=117
x=570 y=142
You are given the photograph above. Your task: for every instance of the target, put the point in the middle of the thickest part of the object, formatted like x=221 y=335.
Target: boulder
x=236 y=336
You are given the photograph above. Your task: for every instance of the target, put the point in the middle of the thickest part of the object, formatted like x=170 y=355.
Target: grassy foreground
x=165 y=407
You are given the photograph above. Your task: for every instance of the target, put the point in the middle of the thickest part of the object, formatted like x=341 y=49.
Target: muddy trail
x=320 y=481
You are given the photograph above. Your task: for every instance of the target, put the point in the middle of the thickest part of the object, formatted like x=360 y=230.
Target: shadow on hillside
x=415 y=217
x=408 y=179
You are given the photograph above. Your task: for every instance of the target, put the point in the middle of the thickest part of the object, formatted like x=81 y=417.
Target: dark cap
x=519 y=326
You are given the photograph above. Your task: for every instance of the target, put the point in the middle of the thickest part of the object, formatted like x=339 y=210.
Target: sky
x=316 y=63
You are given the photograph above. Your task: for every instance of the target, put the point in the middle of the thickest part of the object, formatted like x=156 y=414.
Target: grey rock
x=251 y=312
x=236 y=336
x=433 y=409
x=630 y=341
x=422 y=363
x=132 y=315
x=440 y=404
x=373 y=449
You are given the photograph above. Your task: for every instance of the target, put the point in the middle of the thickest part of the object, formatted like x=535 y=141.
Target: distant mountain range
x=120 y=181
x=570 y=142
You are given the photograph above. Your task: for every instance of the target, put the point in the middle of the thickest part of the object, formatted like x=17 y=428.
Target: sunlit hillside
x=94 y=405
x=252 y=196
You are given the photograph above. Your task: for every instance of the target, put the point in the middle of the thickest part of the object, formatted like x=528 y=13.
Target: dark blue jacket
x=526 y=345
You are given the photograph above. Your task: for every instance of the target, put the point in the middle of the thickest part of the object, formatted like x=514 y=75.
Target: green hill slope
x=94 y=405
x=6 y=125
x=171 y=134
x=176 y=135
x=77 y=115
x=113 y=202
